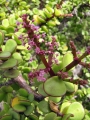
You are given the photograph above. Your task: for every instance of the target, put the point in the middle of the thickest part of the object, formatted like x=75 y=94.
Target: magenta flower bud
x=18 y=23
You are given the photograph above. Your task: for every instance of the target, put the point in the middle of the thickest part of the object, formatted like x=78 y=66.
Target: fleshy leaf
x=64 y=107
x=50 y=116
x=67 y=117
x=70 y=86
x=10 y=45
x=54 y=87
x=10 y=29
x=10 y=63
x=17 y=56
x=12 y=20
x=19 y=108
x=1 y=38
x=33 y=117
x=44 y=106
x=55 y=99
x=20 y=47
x=77 y=110
x=67 y=59
x=11 y=73
x=24 y=102
x=5 y=23
x=5 y=55
x=17 y=40
x=6 y=117
x=23 y=92
x=2 y=94
x=41 y=90
x=29 y=110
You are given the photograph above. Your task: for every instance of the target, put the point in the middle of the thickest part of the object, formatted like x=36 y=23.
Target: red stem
x=75 y=62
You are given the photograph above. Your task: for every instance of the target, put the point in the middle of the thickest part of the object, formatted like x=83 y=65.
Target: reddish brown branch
x=73 y=48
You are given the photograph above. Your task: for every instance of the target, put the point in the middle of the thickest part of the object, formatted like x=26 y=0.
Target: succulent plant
x=36 y=62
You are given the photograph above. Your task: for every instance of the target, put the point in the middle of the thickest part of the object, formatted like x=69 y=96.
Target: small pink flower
x=41 y=77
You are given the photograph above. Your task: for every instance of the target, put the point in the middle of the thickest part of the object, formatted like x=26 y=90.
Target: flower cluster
x=40 y=74
x=50 y=47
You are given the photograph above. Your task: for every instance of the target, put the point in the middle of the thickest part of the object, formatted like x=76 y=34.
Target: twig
x=73 y=47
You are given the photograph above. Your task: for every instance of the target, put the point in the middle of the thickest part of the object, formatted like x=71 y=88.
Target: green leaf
x=5 y=55
x=67 y=117
x=31 y=97
x=29 y=110
x=64 y=107
x=54 y=87
x=10 y=29
x=33 y=117
x=11 y=73
x=70 y=86
x=6 y=117
x=12 y=20
x=44 y=106
x=17 y=40
x=55 y=99
x=41 y=90
x=2 y=94
x=10 y=63
x=10 y=46
x=17 y=56
x=19 y=108
x=1 y=38
x=24 y=102
x=20 y=47
x=67 y=59
x=23 y=92
x=5 y=23
x=50 y=116
x=77 y=110
x=14 y=114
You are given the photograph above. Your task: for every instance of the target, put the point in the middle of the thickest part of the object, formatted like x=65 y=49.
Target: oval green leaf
x=5 y=55
x=23 y=92
x=67 y=59
x=55 y=99
x=41 y=90
x=33 y=117
x=11 y=73
x=64 y=107
x=19 y=108
x=10 y=63
x=50 y=116
x=70 y=87
x=77 y=110
x=17 y=56
x=29 y=110
x=10 y=45
x=6 y=117
x=10 y=29
x=5 y=23
x=24 y=102
x=44 y=106
x=54 y=87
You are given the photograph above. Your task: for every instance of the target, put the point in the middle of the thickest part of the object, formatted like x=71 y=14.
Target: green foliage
x=61 y=98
